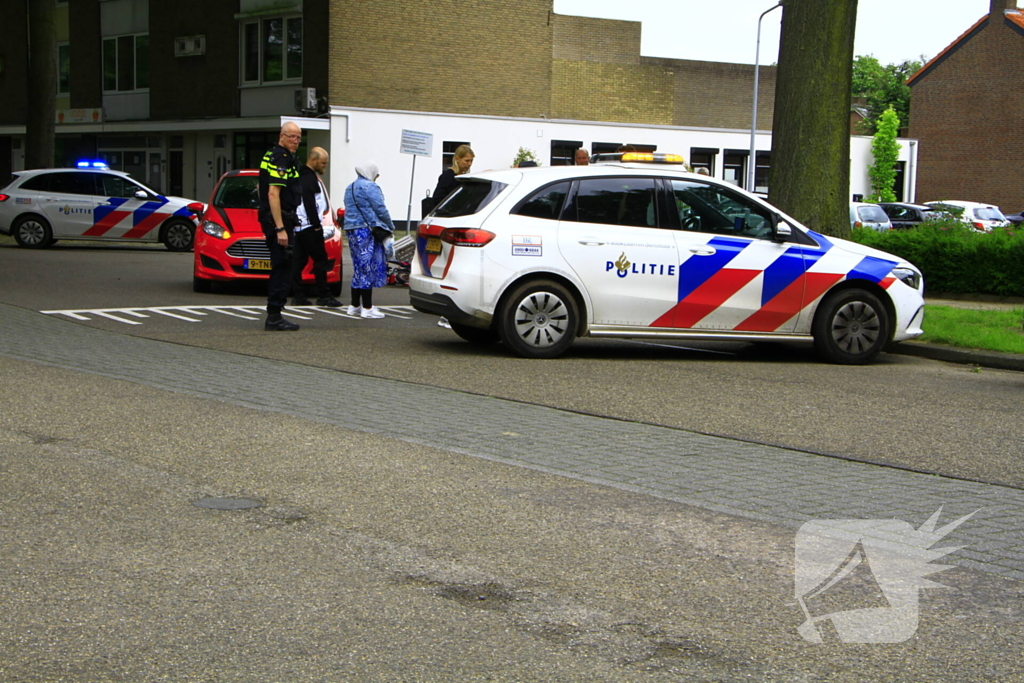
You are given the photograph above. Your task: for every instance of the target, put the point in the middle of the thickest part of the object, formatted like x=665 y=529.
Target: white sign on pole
x=417 y=143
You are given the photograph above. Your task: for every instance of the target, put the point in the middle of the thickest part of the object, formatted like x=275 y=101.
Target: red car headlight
x=214 y=230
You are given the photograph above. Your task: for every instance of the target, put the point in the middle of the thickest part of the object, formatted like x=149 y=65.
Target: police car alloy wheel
x=178 y=236
x=539 y=319
x=33 y=232
x=852 y=327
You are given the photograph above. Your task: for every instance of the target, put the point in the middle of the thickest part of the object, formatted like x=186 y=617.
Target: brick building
x=966 y=106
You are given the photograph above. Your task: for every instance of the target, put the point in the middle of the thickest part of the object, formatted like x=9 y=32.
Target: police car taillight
x=466 y=237
x=4 y=197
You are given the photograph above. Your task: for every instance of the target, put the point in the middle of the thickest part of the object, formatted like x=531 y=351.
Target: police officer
x=279 y=196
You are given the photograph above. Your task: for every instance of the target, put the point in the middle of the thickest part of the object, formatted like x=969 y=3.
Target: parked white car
x=863 y=215
x=538 y=257
x=981 y=217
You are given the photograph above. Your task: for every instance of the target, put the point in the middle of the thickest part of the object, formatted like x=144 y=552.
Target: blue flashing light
x=92 y=164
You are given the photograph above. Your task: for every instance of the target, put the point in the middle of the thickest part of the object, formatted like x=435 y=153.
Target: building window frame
x=258 y=64
x=63 y=68
x=125 y=61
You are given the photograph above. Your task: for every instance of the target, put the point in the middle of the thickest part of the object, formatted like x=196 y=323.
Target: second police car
x=40 y=206
x=636 y=248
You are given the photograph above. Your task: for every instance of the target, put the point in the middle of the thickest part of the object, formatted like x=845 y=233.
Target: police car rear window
x=470 y=197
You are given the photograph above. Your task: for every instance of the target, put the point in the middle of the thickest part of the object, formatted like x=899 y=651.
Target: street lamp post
x=752 y=159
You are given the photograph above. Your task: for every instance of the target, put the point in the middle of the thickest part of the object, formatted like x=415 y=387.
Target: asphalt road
x=375 y=558
x=907 y=412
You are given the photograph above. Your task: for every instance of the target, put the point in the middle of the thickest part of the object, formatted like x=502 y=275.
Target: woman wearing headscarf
x=364 y=209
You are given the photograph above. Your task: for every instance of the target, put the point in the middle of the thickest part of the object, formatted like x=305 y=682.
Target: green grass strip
x=990 y=330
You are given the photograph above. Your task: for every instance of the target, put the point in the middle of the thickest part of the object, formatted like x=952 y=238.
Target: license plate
x=257 y=264
x=433 y=245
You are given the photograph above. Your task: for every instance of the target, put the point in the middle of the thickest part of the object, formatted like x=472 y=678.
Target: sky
x=726 y=30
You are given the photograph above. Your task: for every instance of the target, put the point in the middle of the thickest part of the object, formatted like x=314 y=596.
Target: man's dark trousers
x=309 y=244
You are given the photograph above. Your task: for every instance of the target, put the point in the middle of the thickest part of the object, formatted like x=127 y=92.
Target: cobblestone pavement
x=748 y=480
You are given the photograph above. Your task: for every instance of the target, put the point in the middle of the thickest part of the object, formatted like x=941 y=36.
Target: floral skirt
x=369 y=262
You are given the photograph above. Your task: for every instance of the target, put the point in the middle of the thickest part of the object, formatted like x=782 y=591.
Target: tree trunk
x=810 y=172
x=42 y=84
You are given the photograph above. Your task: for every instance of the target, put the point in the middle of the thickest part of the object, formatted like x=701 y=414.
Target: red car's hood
x=235 y=220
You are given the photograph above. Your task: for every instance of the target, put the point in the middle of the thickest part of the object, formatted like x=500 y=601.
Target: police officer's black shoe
x=279 y=324
x=300 y=301
x=329 y=302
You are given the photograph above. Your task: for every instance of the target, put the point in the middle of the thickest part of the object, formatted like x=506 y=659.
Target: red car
x=230 y=246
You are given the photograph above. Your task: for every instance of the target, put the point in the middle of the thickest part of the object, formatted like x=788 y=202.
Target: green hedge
x=956 y=260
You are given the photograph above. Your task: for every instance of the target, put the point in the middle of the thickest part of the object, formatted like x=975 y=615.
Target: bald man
x=279 y=197
x=309 y=233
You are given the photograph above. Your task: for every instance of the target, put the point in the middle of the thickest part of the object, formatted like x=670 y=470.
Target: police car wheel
x=475 y=335
x=851 y=327
x=32 y=232
x=538 y=319
x=177 y=236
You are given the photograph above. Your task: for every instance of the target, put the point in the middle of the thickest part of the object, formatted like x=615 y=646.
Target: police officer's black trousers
x=280 y=275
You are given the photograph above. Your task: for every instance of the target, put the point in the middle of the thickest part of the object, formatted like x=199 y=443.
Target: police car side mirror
x=141 y=194
x=782 y=230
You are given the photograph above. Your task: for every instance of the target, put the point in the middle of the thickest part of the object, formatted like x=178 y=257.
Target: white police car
x=537 y=257
x=41 y=206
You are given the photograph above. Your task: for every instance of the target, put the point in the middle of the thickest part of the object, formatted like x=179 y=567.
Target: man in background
x=582 y=158
x=309 y=233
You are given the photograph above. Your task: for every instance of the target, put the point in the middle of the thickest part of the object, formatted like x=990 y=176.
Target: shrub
x=955 y=259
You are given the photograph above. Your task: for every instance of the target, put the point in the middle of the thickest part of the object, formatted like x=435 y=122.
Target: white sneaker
x=373 y=312
x=354 y=310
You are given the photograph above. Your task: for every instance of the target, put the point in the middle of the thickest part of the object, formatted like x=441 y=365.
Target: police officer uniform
x=279 y=167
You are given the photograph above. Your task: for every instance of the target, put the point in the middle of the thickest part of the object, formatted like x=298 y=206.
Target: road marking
x=192 y=314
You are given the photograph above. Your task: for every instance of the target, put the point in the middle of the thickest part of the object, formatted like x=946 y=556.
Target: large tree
x=42 y=84
x=810 y=174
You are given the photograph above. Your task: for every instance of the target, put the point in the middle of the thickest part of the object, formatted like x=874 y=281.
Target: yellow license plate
x=257 y=264
x=433 y=245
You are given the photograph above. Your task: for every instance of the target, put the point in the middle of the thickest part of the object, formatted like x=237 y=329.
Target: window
x=272 y=50
x=703 y=157
x=563 y=152
x=448 y=153
x=238 y=192
x=706 y=208
x=63 y=68
x=126 y=63
x=468 y=198
x=735 y=167
x=544 y=203
x=616 y=201
x=72 y=183
x=764 y=165
x=116 y=186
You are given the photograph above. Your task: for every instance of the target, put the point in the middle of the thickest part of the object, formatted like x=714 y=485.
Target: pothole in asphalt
x=228 y=503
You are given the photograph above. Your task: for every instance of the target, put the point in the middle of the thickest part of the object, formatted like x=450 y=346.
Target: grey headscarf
x=368 y=170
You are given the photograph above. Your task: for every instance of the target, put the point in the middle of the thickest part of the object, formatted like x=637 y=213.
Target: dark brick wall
x=967 y=111
x=86 y=47
x=202 y=85
x=14 y=79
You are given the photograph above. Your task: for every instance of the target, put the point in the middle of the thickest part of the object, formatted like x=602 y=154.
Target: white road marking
x=183 y=312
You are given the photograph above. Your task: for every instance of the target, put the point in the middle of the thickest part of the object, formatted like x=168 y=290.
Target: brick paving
x=755 y=481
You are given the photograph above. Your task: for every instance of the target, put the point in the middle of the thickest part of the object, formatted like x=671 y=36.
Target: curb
x=951 y=354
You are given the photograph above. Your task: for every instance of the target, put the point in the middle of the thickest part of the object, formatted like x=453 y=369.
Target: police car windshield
x=470 y=197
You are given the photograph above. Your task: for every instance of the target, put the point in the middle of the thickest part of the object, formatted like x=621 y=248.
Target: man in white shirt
x=309 y=234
